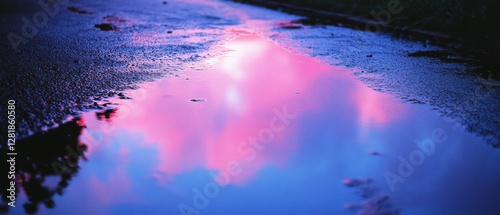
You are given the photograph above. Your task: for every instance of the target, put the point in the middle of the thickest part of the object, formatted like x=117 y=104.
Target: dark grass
x=471 y=20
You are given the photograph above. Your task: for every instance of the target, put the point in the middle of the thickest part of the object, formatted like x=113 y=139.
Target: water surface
x=265 y=130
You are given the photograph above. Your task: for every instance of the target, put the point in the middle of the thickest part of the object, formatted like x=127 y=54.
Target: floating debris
x=107 y=114
x=373 y=201
x=356 y=182
x=375 y=153
x=197 y=100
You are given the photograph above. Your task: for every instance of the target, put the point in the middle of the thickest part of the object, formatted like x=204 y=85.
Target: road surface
x=215 y=107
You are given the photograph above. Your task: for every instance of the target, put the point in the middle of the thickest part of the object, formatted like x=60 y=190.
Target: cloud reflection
x=247 y=83
x=241 y=93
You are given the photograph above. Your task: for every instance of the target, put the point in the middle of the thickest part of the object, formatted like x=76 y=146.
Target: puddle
x=276 y=133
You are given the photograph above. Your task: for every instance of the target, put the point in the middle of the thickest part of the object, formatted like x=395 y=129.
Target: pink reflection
x=254 y=78
x=375 y=110
x=247 y=83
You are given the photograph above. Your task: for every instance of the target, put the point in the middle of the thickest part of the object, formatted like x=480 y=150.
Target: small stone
x=106 y=27
x=73 y=9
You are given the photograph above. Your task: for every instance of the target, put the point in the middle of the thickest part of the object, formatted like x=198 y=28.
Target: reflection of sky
x=241 y=95
x=166 y=145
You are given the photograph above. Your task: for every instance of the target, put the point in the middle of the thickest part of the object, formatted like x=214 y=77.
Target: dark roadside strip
x=483 y=56
x=346 y=20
